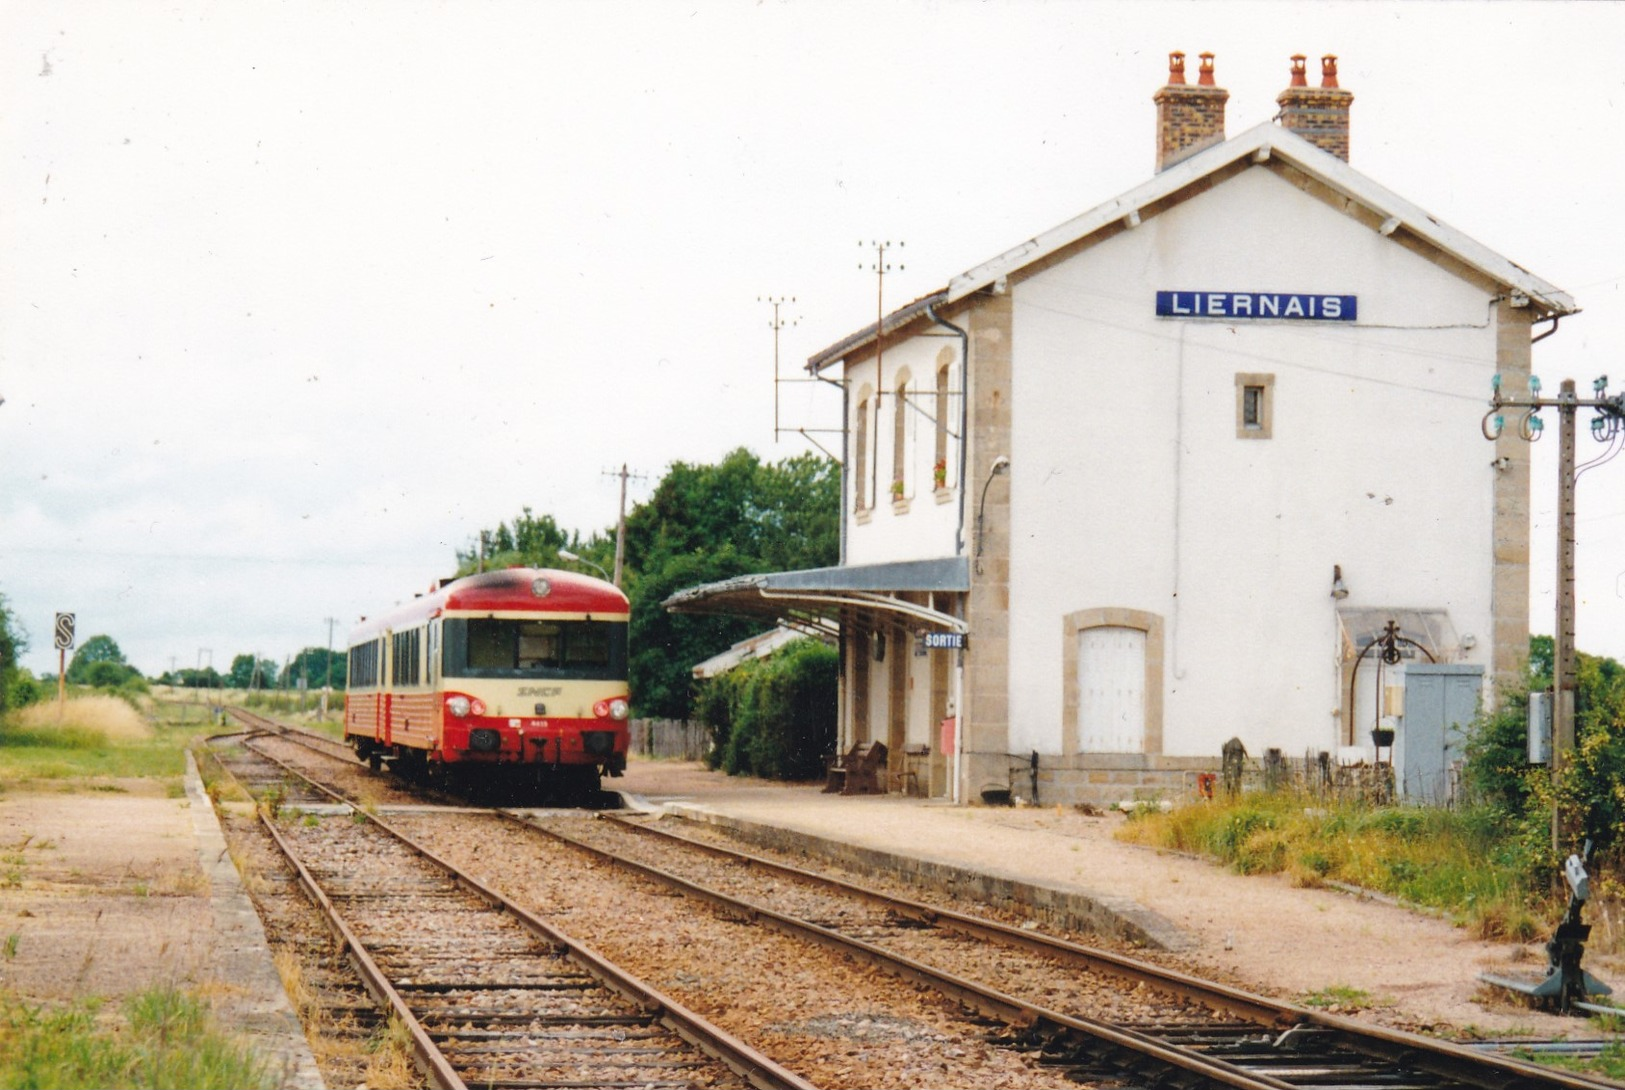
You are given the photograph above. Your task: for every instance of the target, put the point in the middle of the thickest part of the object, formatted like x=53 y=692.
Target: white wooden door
x=1111 y=690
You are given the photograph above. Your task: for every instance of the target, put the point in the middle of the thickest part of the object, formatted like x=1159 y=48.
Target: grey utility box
x=1540 y=728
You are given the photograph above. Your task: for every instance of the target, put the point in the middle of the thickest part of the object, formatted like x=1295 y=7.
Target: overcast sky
x=295 y=297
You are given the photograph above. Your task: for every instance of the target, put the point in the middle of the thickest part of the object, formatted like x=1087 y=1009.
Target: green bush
x=21 y=689
x=774 y=717
x=1520 y=798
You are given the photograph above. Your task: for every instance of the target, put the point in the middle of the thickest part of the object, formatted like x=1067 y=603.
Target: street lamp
x=566 y=554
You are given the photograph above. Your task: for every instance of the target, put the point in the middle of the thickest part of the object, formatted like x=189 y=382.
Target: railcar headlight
x=619 y=709
x=458 y=705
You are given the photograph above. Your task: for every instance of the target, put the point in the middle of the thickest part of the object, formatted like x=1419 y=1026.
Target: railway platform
x=250 y=995
x=1259 y=931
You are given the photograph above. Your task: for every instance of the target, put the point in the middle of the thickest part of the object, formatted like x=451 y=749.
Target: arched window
x=899 y=445
x=939 y=463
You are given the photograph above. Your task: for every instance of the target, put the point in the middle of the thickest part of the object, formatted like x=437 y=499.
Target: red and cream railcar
x=516 y=676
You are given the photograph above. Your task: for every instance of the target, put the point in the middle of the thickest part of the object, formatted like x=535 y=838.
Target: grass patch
x=1609 y=1063
x=1341 y=998
x=97 y=740
x=1456 y=861
x=158 y=1038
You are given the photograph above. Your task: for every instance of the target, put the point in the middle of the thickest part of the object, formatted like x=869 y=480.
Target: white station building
x=1204 y=462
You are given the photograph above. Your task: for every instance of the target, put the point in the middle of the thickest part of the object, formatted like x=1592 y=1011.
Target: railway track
x=1068 y=997
x=491 y=995
x=1099 y=1017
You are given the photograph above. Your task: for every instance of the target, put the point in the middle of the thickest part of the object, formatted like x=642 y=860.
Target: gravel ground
x=835 y=1022
x=103 y=896
x=1259 y=932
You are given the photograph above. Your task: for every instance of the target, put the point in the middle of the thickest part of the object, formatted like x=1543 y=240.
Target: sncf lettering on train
x=540 y=690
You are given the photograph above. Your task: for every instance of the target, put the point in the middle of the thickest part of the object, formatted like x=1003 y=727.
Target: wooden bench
x=858 y=771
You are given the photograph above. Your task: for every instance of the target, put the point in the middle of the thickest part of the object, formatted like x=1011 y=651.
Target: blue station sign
x=1244 y=305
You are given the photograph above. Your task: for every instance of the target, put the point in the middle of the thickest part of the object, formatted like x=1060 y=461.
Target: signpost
x=64 y=643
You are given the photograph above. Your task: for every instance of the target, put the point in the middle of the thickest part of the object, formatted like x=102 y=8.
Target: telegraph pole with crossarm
x=1608 y=427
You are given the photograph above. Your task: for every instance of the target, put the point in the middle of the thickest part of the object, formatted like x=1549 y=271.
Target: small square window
x=1255 y=408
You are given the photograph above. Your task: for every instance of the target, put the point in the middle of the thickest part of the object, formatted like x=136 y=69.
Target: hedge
x=774 y=717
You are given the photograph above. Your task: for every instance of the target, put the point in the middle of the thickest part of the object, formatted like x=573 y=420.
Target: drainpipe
x=964 y=416
x=959 y=538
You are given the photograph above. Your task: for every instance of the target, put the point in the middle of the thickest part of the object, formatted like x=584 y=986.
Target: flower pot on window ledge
x=1382 y=737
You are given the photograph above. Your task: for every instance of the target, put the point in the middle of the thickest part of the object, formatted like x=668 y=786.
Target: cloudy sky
x=295 y=297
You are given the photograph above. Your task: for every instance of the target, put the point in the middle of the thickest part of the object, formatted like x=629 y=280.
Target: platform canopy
x=815 y=600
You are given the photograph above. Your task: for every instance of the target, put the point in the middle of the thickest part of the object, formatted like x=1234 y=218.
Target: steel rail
x=316 y=743
x=431 y=1061
x=1440 y=1058
x=979 y=997
x=1242 y=1004
x=755 y=1067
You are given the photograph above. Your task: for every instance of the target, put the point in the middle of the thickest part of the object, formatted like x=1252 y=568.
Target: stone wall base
x=1092 y=779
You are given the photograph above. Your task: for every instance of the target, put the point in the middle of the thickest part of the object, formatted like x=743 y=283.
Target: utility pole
x=880 y=269
x=777 y=325
x=620 y=518
x=328 y=687
x=1607 y=426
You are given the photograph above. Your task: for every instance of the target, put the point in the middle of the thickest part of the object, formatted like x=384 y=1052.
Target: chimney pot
x=1205 y=75
x=1320 y=114
x=1189 y=118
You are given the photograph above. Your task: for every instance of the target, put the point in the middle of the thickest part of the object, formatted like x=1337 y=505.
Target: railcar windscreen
x=493 y=648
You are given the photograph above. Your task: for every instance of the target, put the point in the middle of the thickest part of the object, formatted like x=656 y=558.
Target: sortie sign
x=1280 y=305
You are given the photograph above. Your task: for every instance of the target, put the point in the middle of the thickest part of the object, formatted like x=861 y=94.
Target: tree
x=532 y=541
x=100 y=663
x=312 y=665
x=247 y=672
x=665 y=646
x=708 y=523
x=188 y=678
x=16 y=684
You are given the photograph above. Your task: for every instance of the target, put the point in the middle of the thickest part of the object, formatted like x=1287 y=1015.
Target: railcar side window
x=406 y=663
x=363 y=672
x=493 y=647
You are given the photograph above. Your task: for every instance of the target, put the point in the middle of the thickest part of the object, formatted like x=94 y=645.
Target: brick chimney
x=1188 y=118
x=1318 y=114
